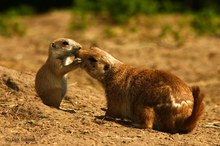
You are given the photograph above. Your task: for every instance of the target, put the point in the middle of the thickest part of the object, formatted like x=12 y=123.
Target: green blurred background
x=204 y=13
x=114 y=6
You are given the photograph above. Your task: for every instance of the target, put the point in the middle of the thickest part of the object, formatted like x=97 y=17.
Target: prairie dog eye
x=53 y=45
x=65 y=43
x=106 y=67
x=91 y=59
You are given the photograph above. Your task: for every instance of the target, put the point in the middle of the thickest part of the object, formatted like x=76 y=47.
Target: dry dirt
x=25 y=120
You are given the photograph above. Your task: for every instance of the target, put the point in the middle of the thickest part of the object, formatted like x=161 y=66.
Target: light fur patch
x=181 y=104
x=71 y=43
x=110 y=58
x=68 y=61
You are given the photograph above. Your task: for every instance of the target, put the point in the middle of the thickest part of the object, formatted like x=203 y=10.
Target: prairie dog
x=150 y=98
x=51 y=79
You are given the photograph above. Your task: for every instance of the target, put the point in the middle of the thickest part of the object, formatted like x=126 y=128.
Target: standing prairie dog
x=51 y=80
x=150 y=98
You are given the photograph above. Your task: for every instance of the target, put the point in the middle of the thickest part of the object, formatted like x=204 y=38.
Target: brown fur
x=150 y=98
x=51 y=81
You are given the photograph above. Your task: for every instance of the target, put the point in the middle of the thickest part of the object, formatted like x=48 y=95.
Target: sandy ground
x=25 y=120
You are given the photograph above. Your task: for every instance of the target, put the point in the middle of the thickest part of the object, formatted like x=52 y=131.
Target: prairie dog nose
x=78 y=47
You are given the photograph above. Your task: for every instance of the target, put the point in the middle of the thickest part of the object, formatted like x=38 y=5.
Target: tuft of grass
x=167 y=29
x=79 y=21
x=18 y=29
x=133 y=29
x=9 y=27
x=4 y=30
x=108 y=32
x=174 y=33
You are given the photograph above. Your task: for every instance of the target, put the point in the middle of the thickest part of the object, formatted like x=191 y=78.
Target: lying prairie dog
x=150 y=98
x=51 y=79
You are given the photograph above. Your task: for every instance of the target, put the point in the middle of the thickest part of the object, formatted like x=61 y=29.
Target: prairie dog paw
x=77 y=60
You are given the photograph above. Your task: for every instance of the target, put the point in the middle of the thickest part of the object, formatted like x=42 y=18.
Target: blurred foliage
x=9 y=28
x=9 y=23
x=204 y=21
x=22 y=10
x=204 y=13
x=121 y=11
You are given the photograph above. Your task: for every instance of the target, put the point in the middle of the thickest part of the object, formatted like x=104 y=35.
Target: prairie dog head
x=96 y=62
x=63 y=47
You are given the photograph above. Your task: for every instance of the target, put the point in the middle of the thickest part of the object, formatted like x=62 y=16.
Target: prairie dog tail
x=198 y=108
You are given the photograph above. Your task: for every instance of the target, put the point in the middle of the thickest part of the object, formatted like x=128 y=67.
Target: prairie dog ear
x=106 y=67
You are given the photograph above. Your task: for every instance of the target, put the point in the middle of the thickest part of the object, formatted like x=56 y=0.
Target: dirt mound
x=25 y=120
